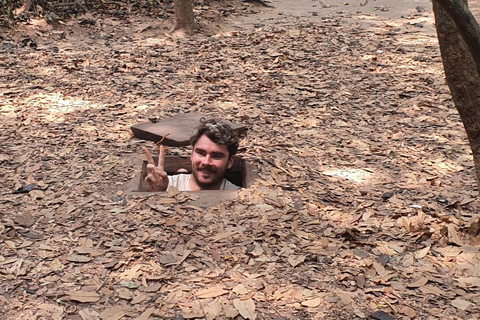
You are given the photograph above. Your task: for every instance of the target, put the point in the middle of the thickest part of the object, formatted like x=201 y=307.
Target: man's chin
x=206 y=182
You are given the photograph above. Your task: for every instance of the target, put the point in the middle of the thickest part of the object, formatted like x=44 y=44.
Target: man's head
x=214 y=148
x=217 y=132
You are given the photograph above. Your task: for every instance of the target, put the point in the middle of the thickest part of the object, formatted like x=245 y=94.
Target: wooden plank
x=179 y=129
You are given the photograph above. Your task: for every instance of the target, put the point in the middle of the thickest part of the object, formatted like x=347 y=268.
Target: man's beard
x=217 y=175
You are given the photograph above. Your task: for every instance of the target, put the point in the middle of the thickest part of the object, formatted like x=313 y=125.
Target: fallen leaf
x=124 y=293
x=138 y=298
x=468 y=282
x=223 y=235
x=87 y=314
x=25 y=220
x=114 y=313
x=409 y=312
x=168 y=258
x=432 y=290
x=419 y=283
x=229 y=311
x=146 y=314
x=55 y=311
x=152 y=288
x=461 y=304
x=129 y=284
x=240 y=290
x=296 y=260
x=381 y=315
x=246 y=308
x=78 y=258
x=213 y=310
x=33 y=168
x=422 y=253
x=211 y=292
x=312 y=303
x=454 y=235
x=83 y=296
x=131 y=273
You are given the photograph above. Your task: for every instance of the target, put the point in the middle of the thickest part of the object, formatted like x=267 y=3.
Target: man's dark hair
x=219 y=133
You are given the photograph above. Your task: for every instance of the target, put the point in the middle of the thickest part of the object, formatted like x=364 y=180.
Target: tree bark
x=184 y=19
x=466 y=24
x=26 y=6
x=462 y=75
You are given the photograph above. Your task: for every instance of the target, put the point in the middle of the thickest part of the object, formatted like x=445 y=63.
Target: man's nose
x=207 y=160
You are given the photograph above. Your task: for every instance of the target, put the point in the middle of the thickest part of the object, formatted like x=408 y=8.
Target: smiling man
x=214 y=146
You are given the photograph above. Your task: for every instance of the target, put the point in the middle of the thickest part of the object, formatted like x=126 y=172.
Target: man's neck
x=195 y=187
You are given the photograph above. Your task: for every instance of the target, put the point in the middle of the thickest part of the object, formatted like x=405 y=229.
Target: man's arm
x=157 y=178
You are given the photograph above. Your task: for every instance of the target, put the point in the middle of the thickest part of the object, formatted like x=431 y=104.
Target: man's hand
x=156 y=179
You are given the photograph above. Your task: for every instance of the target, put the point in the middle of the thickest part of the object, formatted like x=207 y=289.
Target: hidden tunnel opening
x=242 y=173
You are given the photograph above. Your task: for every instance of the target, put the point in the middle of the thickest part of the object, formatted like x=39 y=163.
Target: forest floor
x=365 y=205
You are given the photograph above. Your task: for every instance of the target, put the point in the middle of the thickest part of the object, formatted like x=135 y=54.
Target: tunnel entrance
x=242 y=173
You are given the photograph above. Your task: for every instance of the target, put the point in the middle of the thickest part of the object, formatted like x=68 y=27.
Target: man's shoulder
x=181 y=181
x=230 y=186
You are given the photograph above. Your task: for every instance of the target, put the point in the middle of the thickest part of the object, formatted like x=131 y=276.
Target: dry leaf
x=240 y=290
x=422 y=253
x=146 y=314
x=345 y=297
x=189 y=314
x=114 y=313
x=246 y=308
x=124 y=293
x=454 y=235
x=461 y=304
x=152 y=288
x=138 y=298
x=432 y=290
x=83 y=296
x=131 y=273
x=296 y=260
x=406 y=223
x=56 y=265
x=33 y=168
x=86 y=314
x=211 y=292
x=419 y=283
x=229 y=311
x=312 y=303
x=25 y=220
x=409 y=312
x=55 y=311
x=223 y=235
x=168 y=258
x=213 y=310
x=78 y=258
x=468 y=282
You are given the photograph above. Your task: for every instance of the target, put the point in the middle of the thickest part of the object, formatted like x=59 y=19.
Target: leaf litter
x=365 y=202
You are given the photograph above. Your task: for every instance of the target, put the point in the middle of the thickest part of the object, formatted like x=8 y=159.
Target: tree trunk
x=184 y=16
x=463 y=78
x=466 y=24
x=26 y=6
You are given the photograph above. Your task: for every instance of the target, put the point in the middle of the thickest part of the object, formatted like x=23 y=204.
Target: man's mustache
x=207 y=169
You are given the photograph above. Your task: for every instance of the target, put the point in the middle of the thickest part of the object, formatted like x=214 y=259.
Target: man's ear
x=230 y=162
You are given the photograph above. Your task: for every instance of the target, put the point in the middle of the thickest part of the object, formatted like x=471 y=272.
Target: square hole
x=242 y=173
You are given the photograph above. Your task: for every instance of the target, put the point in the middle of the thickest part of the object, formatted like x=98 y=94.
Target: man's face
x=210 y=162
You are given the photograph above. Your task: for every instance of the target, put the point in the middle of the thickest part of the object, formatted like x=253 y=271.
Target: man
x=214 y=147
